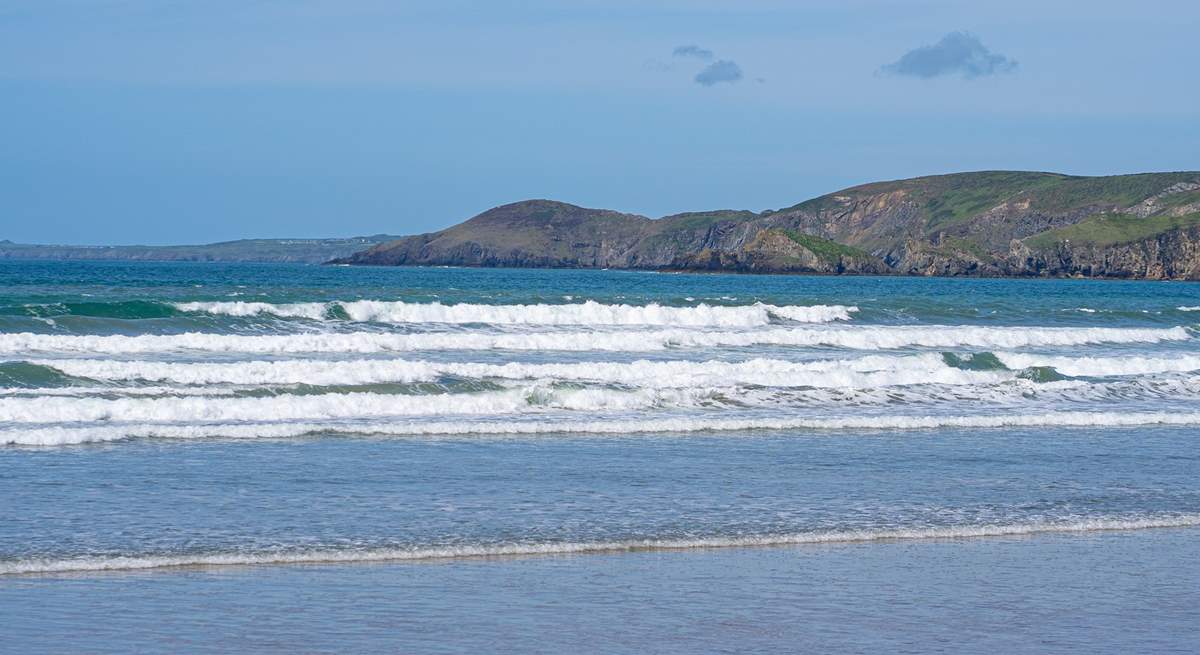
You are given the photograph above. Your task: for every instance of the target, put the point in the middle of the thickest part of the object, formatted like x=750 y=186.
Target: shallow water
x=1097 y=593
x=705 y=461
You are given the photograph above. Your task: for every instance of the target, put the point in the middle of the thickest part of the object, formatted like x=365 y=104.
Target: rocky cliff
x=992 y=223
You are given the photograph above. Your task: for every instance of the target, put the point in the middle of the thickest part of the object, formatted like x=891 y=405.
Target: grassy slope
x=1112 y=229
x=952 y=199
x=946 y=198
x=541 y=228
x=1115 y=190
x=824 y=249
x=1180 y=199
x=702 y=220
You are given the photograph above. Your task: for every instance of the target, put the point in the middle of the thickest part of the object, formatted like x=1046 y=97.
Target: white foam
x=115 y=391
x=865 y=372
x=324 y=407
x=420 y=553
x=1103 y=366
x=1018 y=395
x=311 y=310
x=1193 y=308
x=813 y=314
x=515 y=425
x=1012 y=392
x=856 y=337
x=586 y=313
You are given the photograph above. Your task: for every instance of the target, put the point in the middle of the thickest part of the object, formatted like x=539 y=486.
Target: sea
x=209 y=457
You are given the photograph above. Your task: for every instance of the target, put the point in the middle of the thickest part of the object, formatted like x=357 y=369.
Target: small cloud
x=957 y=52
x=656 y=65
x=694 y=51
x=715 y=72
x=719 y=71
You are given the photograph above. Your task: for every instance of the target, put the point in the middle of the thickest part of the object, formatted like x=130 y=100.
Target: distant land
x=981 y=224
x=310 y=251
x=986 y=224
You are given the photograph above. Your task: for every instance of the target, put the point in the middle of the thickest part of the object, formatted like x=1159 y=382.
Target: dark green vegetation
x=824 y=249
x=246 y=250
x=990 y=223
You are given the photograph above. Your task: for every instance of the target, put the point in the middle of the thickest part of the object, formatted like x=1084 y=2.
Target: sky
x=177 y=121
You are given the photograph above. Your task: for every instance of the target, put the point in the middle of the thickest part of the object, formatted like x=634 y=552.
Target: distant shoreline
x=705 y=272
x=307 y=251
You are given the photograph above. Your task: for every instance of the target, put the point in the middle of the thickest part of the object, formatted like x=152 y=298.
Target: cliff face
x=546 y=234
x=982 y=224
x=1171 y=255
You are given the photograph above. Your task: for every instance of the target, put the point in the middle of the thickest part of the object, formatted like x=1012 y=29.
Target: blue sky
x=130 y=121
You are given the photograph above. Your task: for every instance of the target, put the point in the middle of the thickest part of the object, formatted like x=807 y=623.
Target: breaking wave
x=854 y=338
x=357 y=405
x=1103 y=366
x=864 y=372
x=68 y=435
x=586 y=313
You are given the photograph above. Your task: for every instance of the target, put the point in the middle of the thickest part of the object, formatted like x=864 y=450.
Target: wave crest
x=586 y=313
x=69 y=435
x=864 y=372
x=854 y=338
x=1103 y=366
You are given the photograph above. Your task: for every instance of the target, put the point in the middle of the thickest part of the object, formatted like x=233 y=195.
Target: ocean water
x=205 y=457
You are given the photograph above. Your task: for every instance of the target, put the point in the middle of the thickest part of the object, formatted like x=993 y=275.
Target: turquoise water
x=331 y=459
